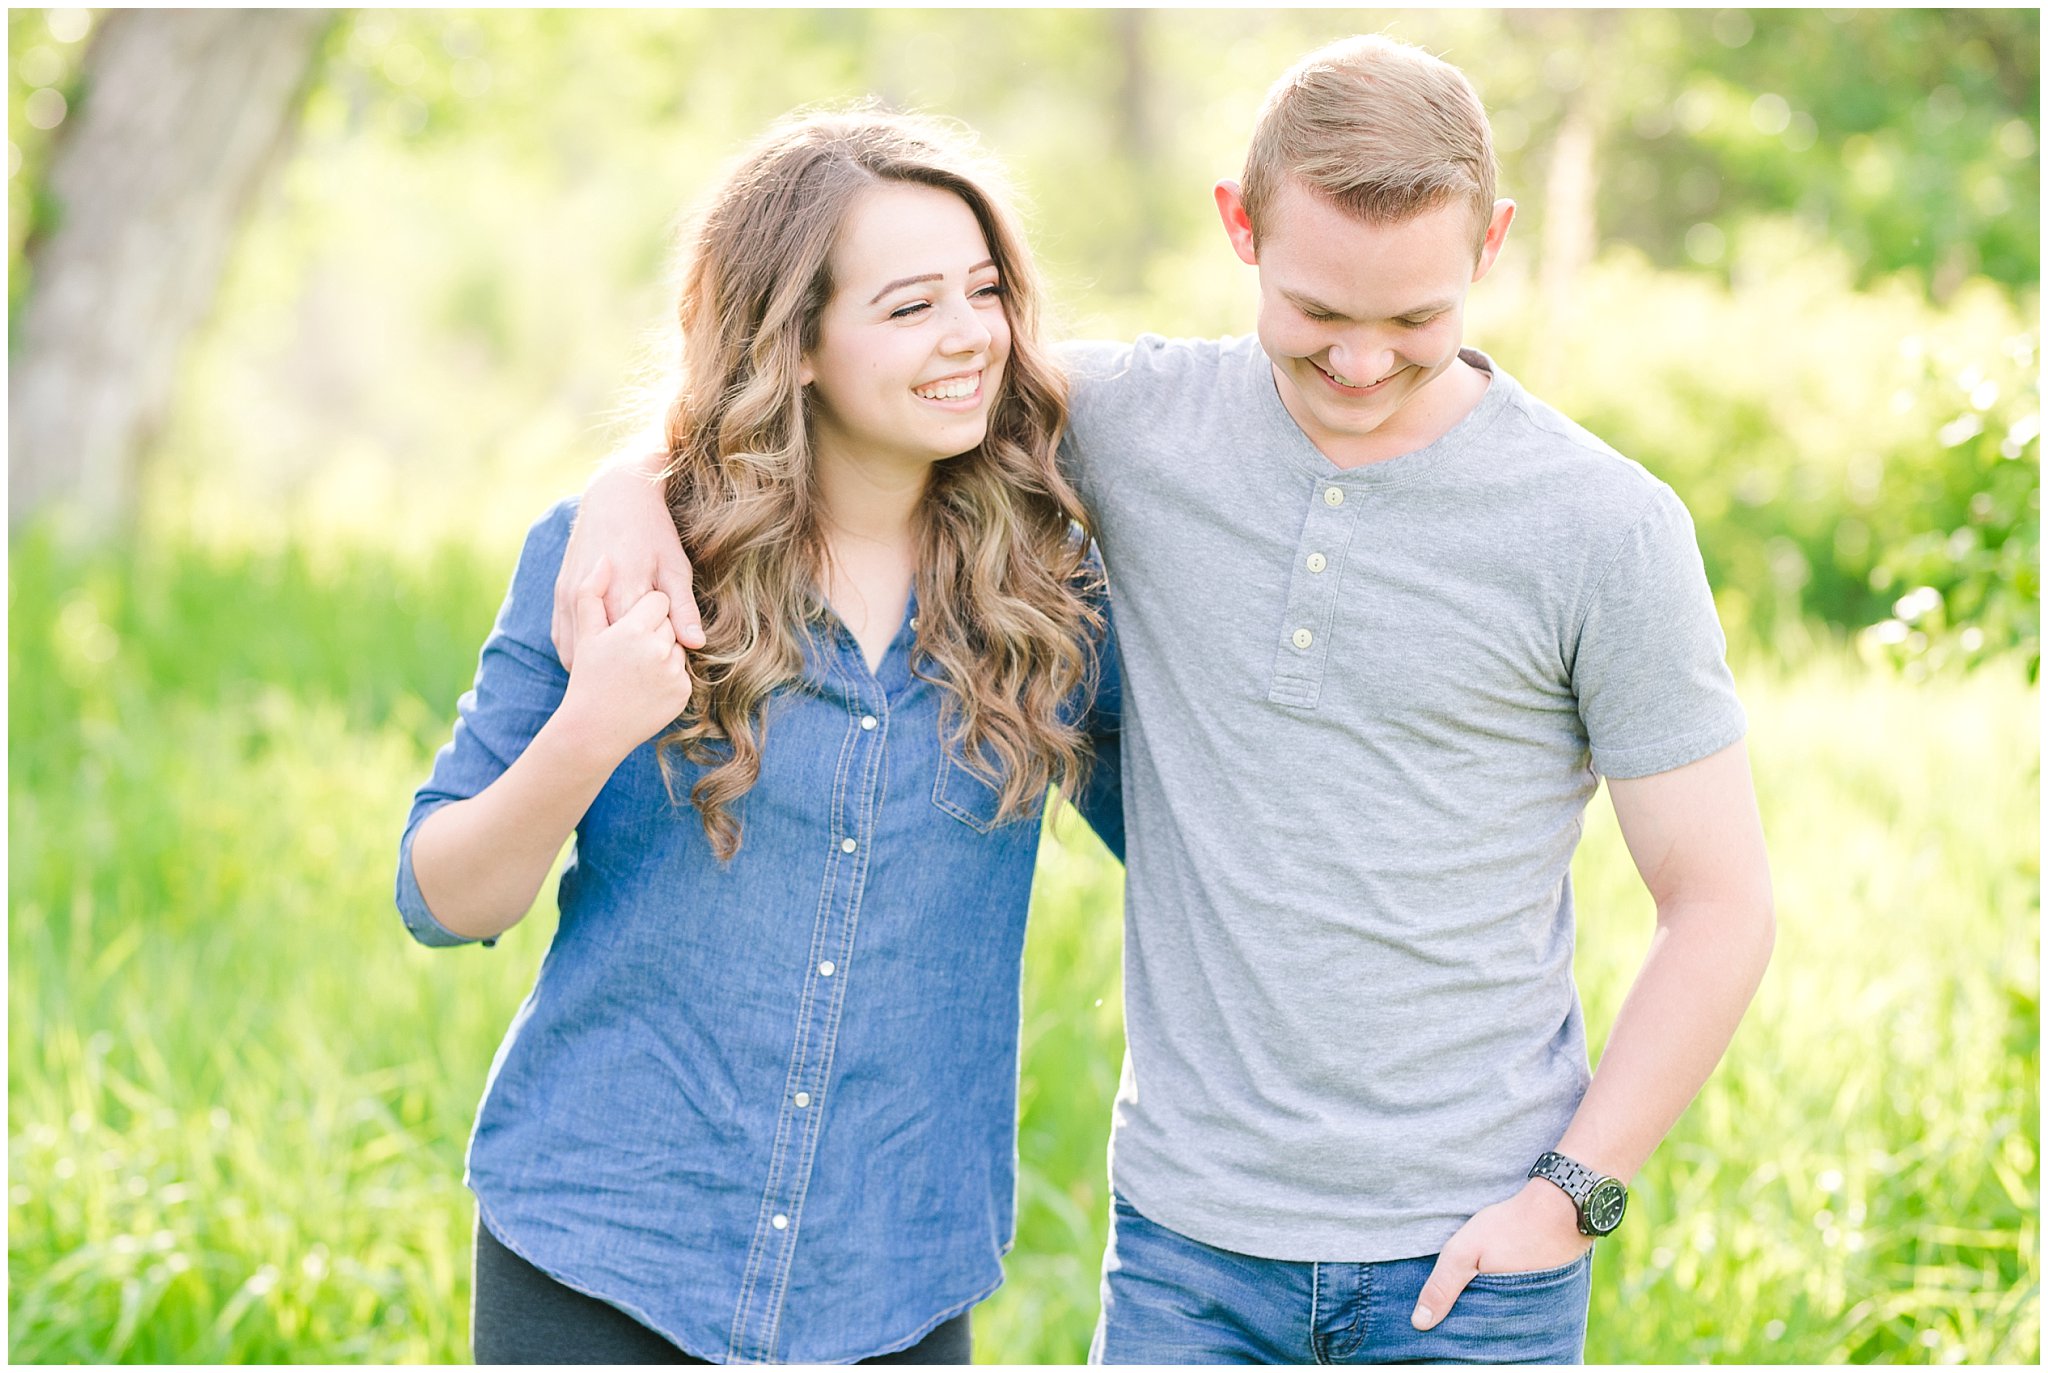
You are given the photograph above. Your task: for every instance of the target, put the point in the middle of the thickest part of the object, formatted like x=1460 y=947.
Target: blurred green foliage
x=1906 y=137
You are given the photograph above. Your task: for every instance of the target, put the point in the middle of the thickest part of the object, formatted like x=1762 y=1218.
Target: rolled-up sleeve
x=519 y=683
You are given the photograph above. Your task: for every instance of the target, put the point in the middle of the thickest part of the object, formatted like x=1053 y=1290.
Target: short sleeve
x=519 y=683
x=1650 y=668
x=1092 y=369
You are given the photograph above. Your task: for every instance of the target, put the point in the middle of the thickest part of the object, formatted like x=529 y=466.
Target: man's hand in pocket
x=1535 y=1229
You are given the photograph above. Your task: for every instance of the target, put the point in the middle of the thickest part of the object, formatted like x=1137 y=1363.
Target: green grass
x=239 y=1094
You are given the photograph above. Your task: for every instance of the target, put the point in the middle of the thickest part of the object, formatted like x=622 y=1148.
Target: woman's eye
x=992 y=290
x=906 y=311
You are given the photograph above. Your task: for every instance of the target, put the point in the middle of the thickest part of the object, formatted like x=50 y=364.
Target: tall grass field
x=239 y=1093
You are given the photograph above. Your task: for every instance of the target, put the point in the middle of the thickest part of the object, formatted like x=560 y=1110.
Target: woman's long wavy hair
x=1008 y=610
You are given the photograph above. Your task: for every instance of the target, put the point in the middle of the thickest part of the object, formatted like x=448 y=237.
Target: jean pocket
x=1532 y=1317
x=1540 y=1277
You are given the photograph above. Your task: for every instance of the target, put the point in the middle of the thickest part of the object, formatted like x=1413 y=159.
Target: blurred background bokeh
x=312 y=312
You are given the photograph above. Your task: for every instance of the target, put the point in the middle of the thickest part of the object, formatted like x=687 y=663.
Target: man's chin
x=1358 y=416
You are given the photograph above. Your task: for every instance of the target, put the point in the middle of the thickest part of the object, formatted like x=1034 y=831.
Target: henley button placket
x=1302 y=653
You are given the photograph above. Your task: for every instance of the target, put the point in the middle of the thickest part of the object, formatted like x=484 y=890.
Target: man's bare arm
x=623 y=517
x=1698 y=843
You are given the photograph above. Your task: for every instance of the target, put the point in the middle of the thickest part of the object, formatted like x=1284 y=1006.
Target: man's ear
x=1236 y=223
x=1496 y=237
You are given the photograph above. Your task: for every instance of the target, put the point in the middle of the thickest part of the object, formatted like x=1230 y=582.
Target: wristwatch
x=1601 y=1200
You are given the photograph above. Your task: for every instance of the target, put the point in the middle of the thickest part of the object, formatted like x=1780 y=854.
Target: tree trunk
x=1571 y=228
x=182 y=113
x=1136 y=138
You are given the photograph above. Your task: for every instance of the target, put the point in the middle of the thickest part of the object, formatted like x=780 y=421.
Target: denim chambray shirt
x=767 y=1109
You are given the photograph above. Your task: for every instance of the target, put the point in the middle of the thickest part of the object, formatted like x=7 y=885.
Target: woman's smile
x=961 y=391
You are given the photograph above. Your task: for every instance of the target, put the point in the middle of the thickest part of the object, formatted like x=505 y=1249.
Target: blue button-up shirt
x=767 y=1108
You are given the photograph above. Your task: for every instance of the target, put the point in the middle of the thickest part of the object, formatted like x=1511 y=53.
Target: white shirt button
x=780 y=1222
x=913 y=624
x=847 y=846
x=1302 y=638
x=802 y=1098
x=1317 y=562
x=867 y=722
x=1333 y=495
x=827 y=968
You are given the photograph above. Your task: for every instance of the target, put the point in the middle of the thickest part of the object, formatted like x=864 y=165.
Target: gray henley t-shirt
x=1364 y=710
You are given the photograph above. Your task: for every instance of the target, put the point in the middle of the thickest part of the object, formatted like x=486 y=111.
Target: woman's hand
x=624 y=518
x=630 y=680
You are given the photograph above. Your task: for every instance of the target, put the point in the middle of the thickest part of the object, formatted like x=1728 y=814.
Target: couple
x=1382 y=621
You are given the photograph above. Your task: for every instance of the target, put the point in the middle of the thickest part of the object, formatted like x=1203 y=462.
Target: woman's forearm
x=479 y=862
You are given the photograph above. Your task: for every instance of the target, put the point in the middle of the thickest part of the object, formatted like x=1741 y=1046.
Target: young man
x=1385 y=620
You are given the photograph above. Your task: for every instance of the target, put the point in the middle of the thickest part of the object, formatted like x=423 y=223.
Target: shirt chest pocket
x=971 y=799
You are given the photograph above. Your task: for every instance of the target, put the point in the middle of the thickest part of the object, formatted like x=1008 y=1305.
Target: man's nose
x=1361 y=358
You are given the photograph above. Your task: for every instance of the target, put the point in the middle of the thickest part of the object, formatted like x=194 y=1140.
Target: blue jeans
x=1169 y=1299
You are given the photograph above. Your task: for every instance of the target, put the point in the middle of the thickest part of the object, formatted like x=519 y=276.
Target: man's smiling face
x=1360 y=318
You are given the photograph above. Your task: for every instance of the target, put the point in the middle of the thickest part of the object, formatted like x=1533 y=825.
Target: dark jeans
x=521 y=1315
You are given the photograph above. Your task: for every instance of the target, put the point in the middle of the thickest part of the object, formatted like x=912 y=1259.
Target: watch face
x=1604 y=1207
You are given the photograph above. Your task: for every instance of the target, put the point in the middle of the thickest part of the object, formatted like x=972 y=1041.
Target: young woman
x=760 y=1105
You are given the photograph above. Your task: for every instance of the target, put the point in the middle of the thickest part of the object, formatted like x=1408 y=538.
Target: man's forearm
x=1704 y=965
x=479 y=862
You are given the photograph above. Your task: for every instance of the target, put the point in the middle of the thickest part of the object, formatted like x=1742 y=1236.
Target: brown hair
x=1379 y=128
x=1008 y=614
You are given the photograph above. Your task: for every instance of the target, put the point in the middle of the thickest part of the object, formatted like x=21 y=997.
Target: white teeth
x=1346 y=381
x=955 y=389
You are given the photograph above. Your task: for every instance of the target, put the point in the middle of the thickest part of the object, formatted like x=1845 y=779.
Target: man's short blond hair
x=1379 y=128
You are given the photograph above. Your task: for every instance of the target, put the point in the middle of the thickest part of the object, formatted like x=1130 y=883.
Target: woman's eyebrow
x=928 y=276
x=906 y=281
